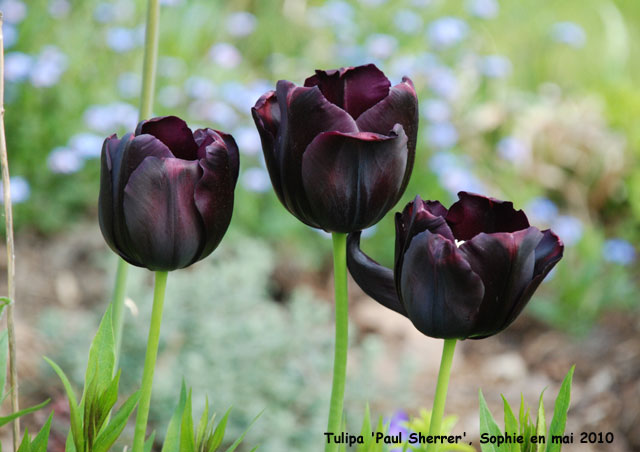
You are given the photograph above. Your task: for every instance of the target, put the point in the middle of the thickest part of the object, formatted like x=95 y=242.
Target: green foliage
x=41 y=440
x=420 y=424
x=535 y=437
x=91 y=428
x=207 y=437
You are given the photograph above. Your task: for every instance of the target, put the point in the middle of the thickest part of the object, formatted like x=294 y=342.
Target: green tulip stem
x=342 y=335
x=150 y=362
x=444 y=374
x=118 y=305
x=150 y=59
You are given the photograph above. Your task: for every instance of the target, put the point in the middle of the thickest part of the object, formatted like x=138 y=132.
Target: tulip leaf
x=4 y=420
x=40 y=442
x=4 y=302
x=510 y=425
x=560 y=410
x=541 y=424
x=488 y=425
x=201 y=430
x=74 y=414
x=148 y=444
x=25 y=445
x=102 y=354
x=241 y=437
x=218 y=434
x=187 y=443
x=111 y=433
x=172 y=439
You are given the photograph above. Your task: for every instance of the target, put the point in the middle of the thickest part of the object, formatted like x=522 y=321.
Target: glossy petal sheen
x=474 y=214
x=374 y=279
x=354 y=89
x=305 y=114
x=440 y=291
x=161 y=215
x=266 y=116
x=105 y=200
x=505 y=262
x=351 y=180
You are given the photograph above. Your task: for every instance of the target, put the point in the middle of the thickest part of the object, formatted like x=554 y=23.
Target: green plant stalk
x=118 y=306
x=149 y=65
x=11 y=258
x=342 y=335
x=444 y=374
x=150 y=362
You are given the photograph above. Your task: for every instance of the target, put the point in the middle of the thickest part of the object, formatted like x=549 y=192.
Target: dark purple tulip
x=166 y=193
x=466 y=272
x=339 y=150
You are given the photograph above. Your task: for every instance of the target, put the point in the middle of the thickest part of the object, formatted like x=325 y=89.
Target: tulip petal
x=374 y=279
x=161 y=215
x=505 y=262
x=305 y=113
x=352 y=179
x=474 y=214
x=266 y=115
x=214 y=196
x=212 y=141
x=174 y=133
x=399 y=107
x=416 y=217
x=440 y=291
x=548 y=252
x=105 y=199
x=354 y=89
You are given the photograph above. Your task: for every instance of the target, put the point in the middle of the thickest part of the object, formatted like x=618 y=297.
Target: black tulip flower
x=466 y=272
x=339 y=150
x=166 y=193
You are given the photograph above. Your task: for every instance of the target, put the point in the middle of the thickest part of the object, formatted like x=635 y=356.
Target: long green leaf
x=102 y=354
x=541 y=424
x=6 y=419
x=25 y=445
x=560 y=410
x=488 y=425
x=74 y=414
x=148 y=444
x=172 y=439
x=201 y=430
x=241 y=437
x=510 y=425
x=218 y=435
x=41 y=440
x=187 y=443
x=111 y=433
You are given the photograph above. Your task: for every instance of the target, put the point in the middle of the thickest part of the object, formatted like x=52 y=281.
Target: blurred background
x=535 y=102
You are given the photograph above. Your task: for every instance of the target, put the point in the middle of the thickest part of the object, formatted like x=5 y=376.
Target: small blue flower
x=381 y=46
x=49 y=67
x=198 y=87
x=443 y=82
x=447 y=31
x=59 y=9
x=110 y=117
x=9 y=35
x=63 y=160
x=104 y=12
x=248 y=140
x=19 y=188
x=256 y=180
x=513 y=150
x=241 y=23
x=484 y=9
x=407 y=21
x=442 y=135
x=225 y=55
x=569 y=33
x=541 y=210
x=86 y=145
x=568 y=228
x=619 y=251
x=435 y=110
x=13 y=11
x=121 y=39
x=129 y=84
x=17 y=66
x=496 y=66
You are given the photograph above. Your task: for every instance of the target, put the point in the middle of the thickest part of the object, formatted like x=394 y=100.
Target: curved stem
x=437 y=412
x=150 y=362
x=118 y=306
x=342 y=335
x=11 y=258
